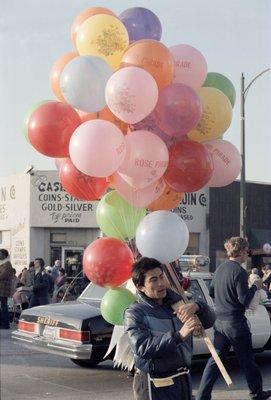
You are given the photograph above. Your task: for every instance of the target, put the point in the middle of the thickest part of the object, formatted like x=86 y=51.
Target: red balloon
x=108 y=262
x=79 y=185
x=50 y=128
x=190 y=166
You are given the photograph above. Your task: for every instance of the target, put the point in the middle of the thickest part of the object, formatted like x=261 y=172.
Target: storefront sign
x=52 y=206
x=193 y=210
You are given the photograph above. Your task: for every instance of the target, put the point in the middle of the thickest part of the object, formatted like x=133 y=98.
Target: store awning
x=258 y=237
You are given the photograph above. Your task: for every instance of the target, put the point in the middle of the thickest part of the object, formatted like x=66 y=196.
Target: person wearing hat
x=6 y=277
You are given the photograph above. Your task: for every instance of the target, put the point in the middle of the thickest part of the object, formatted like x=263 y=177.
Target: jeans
x=237 y=335
x=4 y=322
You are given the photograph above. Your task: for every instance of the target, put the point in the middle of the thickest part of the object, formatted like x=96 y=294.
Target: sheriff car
x=77 y=330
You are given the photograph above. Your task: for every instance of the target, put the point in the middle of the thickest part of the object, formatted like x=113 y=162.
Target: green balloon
x=221 y=82
x=114 y=303
x=28 y=116
x=117 y=218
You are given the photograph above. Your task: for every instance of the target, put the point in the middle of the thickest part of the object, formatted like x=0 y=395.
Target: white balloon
x=267 y=248
x=162 y=235
x=83 y=82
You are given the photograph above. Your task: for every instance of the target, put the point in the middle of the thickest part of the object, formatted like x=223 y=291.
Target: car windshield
x=93 y=292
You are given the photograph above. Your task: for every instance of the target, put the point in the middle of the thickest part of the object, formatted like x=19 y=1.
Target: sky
x=233 y=35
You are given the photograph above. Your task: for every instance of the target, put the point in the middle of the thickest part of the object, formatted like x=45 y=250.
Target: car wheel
x=96 y=357
x=86 y=363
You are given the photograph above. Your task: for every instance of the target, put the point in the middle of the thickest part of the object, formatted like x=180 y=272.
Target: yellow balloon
x=104 y=36
x=216 y=117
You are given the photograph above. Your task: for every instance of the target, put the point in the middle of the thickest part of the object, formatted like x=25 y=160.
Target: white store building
x=39 y=219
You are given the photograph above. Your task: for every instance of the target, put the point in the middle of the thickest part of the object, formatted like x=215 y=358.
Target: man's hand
x=191 y=325
x=187 y=311
x=258 y=283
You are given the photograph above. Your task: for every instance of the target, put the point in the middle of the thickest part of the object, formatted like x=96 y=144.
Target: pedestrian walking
x=161 y=343
x=55 y=269
x=48 y=271
x=232 y=296
x=260 y=296
x=6 y=276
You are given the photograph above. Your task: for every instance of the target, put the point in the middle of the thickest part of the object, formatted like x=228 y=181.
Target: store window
x=55 y=254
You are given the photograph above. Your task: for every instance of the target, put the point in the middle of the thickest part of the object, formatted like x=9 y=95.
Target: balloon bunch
x=143 y=120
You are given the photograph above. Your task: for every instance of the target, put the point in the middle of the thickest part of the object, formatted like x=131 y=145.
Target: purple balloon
x=141 y=23
x=178 y=110
x=149 y=124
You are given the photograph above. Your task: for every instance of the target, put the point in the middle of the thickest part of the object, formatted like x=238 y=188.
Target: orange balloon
x=56 y=70
x=167 y=201
x=154 y=57
x=104 y=114
x=89 y=12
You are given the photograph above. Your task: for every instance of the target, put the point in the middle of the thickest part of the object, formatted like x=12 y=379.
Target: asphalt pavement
x=31 y=375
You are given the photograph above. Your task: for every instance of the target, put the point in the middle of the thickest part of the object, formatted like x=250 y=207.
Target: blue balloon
x=83 y=82
x=141 y=23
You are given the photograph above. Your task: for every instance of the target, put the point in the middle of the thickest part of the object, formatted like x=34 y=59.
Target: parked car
x=77 y=330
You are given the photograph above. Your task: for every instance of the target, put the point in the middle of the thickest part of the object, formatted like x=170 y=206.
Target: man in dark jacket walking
x=40 y=295
x=232 y=297
x=161 y=343
x=6 y=276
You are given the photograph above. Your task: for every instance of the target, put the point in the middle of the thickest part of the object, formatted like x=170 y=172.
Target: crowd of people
x=36 y=285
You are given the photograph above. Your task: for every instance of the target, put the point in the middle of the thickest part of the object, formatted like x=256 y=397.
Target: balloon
x=141 y=23
x=227 y=162
x=50 y=128
x=117 y=218
x=150 y=124
x=178 y=110
x=146 y=159
x=114 y=303
x=104 y=36
x=108 y=262
x=190 y=166
x=216 y=117
x=167 y=201
x=267 y=248
x=97 y=148
x=83 y=82
x=131 y=94
x=221 y=82
x=56 y=71
x=137 y=197
x=28 y=116
x=162 y=235
x=104 y=114
x=190 y=66
x=152 y=56
x=79 y=185
x=89 y=12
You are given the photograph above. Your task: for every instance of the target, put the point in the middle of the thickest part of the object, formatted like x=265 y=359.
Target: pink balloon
x=178 y=110
x=146 y=159
x=131 y=94
x=190 y=65
x=137 y=197
x=97 y=148
x=227 y=162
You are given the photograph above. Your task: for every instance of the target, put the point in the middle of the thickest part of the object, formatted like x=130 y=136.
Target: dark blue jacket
x=153 y=334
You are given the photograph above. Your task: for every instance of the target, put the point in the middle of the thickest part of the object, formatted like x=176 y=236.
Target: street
x=27 y=374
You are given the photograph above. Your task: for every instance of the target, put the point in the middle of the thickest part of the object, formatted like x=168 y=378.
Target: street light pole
x=243 y=202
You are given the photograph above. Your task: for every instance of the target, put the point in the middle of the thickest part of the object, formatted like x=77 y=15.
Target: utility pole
x=243 y=200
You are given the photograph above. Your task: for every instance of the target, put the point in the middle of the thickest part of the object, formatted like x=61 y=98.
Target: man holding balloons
x=161 y=340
